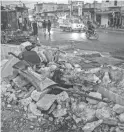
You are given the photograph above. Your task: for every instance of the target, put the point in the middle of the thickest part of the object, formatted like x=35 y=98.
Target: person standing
x=44 y=27
x=35 y=28
x=20 y=22
x=49 y=26
x=25 y=24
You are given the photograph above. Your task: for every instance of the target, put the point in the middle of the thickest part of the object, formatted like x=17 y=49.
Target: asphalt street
x=107 y=42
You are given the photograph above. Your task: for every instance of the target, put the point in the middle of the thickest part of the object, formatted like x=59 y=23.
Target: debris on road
x=60 y=94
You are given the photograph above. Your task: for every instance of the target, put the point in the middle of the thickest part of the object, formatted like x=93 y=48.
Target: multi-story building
x=44 y=7
x=110 y=13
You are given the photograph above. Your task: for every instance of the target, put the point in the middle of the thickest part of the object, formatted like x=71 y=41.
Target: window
x=115 y=2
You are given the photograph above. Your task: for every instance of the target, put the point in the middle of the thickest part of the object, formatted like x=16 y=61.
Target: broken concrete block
x=89 y=127
x=46 y=102
x=62 y=96
x=20 y=81
x=35 y=95
x=118 y=109
x=88 y=115
x=121 y=118
x=94 y=94
x=111 y=122
x=26 y=101
x=34 y=110
x=101 y=105
x=104 y=113
x=118 y=130
x=68 y=66
x=60 y=112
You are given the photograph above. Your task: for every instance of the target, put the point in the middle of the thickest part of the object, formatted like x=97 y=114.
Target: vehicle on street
x=90 y=34
x=71 y=25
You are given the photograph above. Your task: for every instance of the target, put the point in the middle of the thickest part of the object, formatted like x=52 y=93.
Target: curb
x=111 y=30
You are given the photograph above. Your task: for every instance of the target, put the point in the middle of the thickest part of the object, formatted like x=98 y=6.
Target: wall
x=104 y=19
x=111 y=3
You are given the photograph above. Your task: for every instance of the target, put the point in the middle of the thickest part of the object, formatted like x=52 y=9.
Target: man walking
x=49 y=26
x=20 y=22
x=35 y=28
x=44 y=27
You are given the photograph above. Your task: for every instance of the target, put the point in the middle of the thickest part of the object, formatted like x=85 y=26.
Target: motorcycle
x=90 y=34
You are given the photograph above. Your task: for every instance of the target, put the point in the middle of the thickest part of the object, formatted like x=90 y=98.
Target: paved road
x=107 y=42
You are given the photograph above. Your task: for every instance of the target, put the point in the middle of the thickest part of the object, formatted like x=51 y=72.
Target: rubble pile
x=14 y=37
x=62 y=96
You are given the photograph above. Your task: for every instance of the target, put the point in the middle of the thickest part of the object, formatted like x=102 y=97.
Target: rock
x=62 y=96
x=86 y=114
x=121 y=126
x=118 y=130
x=35 y=95
x=81 y=107
x=112 y=129
x=89 y=127
x=60 y=112
x=77 y=120
x=9 y=106
x=101 y=105
x=94 y=94
x=104 y=113
x=118 y=109
x=110 y=122
x=46 y=102
x=34 y=110
x=26 y=101
x=121 y=118
x=116 y=75
x=68 y=66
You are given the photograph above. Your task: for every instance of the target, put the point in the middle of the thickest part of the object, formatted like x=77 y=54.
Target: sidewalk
x=111 y=30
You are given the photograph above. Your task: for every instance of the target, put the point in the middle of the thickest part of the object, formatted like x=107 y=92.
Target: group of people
x=22 y=23
x=46 y=25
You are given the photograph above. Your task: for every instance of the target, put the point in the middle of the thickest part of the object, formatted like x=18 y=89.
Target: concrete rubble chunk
x=116 y=75
x=34 y=110
x=111 y=121
x=101 y=105
x=35 y=95
x=121 y=118
x=60 y=112
x=62 y=96
x=68 y=66
x=82 y=111
x=94 y=94
x=118 y=130
x=118 y=108
x=89 y=127
x=26 y=102
x=46 y=102
x=88 y=115
x=104 y=113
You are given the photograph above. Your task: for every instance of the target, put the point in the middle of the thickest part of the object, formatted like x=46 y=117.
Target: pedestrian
x=25 y=24
x=20 y=22
x=44 y=27
x=35 y=28
x=49 y=26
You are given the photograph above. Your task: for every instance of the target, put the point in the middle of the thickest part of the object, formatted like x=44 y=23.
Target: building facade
x=110 y=13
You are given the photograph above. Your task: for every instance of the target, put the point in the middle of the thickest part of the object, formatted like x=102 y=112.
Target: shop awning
x=105 y=12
